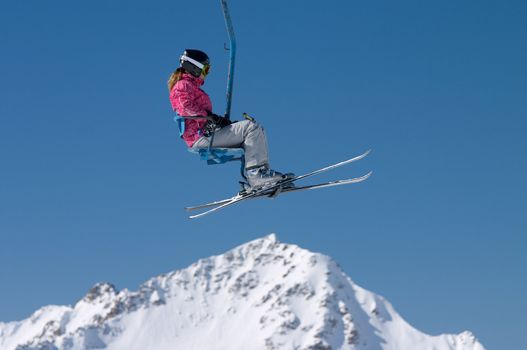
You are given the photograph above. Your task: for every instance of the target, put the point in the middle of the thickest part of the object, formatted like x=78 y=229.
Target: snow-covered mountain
x=261 y=295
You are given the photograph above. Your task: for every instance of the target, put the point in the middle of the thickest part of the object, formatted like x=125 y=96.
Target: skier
x=188 y=99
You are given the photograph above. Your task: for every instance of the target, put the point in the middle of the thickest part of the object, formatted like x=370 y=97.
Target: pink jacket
x=188 y=99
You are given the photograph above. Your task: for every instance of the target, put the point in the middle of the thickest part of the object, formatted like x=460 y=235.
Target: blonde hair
x=174 y=77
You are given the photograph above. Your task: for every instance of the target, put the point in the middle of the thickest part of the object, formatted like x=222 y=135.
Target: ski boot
x=261 y=177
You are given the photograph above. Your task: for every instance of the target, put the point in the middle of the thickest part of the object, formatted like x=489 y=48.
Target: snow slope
x=261 y=295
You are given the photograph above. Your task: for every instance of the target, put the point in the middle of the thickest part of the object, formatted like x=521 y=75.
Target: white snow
x=261 y=295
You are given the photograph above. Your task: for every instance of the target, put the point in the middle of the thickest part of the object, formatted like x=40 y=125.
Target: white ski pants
x=244 y=134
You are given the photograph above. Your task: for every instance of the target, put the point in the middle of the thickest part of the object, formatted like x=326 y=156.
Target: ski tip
x=194 y=208
x=195 y=216
x=361 y=156
x=363 y=177
x=366 y=153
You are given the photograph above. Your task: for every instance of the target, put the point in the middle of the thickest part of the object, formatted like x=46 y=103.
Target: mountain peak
x=99 y=292
x=271 y=238
x=263 y=294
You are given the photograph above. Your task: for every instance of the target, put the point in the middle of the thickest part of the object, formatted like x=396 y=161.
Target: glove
x=219 y=120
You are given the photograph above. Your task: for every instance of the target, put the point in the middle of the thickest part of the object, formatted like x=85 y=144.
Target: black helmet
x=195 y=62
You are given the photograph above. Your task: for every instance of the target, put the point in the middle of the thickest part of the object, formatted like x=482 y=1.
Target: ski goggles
x=205 y=68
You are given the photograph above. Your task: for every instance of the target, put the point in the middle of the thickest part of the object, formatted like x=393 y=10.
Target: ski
x=211 y=204
x=272 y=194
x=328 y=184
x=278 y=188
x=286 y=190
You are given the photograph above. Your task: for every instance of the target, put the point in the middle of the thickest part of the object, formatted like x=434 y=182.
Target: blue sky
x=94 y=177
